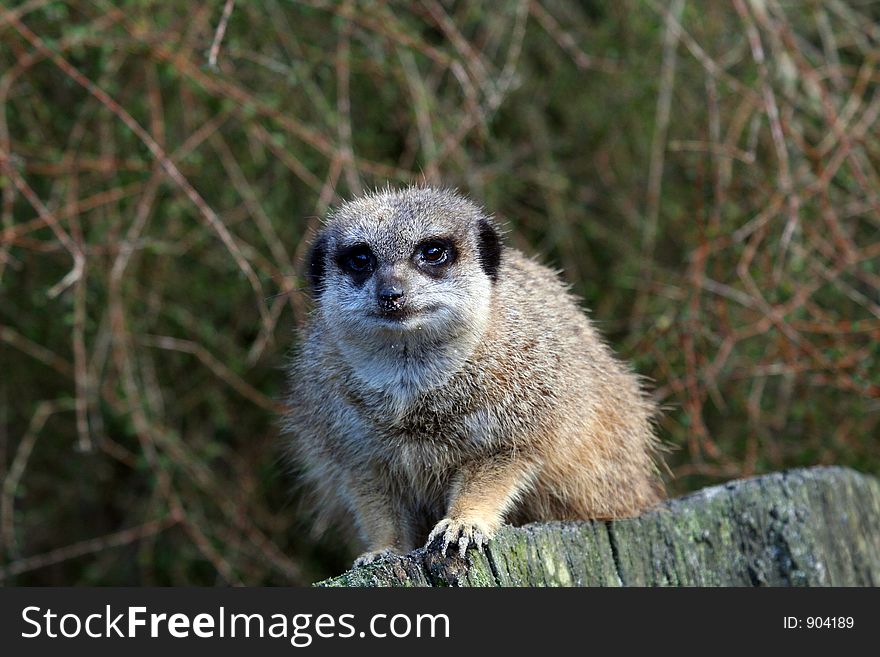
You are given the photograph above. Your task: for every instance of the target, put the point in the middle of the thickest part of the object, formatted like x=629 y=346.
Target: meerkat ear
x=317 y=264
x=490 y=248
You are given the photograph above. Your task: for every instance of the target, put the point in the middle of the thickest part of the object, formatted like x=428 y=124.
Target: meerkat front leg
x=382 y=523
x=481 y=494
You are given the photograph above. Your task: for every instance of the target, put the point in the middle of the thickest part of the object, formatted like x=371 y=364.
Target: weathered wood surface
x=811 y=527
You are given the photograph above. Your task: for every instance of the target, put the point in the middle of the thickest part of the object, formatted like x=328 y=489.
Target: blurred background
x=705 y=175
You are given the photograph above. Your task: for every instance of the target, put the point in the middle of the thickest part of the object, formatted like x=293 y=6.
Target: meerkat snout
x=391 y=295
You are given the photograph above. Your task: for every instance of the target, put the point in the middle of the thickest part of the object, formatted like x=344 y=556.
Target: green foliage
x=139 y=400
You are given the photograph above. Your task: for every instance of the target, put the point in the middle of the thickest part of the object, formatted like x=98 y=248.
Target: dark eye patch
x=490 y=249
x=434 y=255
x=357 y=261
x=316 y=266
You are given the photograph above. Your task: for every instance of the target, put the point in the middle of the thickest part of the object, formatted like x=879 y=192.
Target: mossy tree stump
x=811 y=527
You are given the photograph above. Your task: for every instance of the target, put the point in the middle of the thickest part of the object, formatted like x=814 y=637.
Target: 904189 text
x=819 y=623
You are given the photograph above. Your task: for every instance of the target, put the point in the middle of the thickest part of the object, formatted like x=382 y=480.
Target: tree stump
x=811 y=527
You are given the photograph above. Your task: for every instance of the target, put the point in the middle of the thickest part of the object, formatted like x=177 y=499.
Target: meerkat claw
x=440 y=529
x=462 y=532
x=373 y=555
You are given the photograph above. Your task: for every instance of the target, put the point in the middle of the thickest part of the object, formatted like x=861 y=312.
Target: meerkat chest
x=395 y=379
x=438 y=430
x=422 y=408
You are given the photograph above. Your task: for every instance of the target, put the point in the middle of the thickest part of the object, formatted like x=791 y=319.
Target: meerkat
x=445 y=383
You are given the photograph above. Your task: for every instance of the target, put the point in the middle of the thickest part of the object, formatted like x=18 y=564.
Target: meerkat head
x=404 y=275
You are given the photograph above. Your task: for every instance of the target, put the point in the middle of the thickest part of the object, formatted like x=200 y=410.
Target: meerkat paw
x=465 y=533
x=374 y=555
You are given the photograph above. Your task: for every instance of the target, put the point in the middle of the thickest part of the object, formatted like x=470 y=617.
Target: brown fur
x=530 y=418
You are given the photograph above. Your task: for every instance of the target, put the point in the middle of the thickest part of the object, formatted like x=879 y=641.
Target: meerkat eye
x=357 y=260
x=434 y=252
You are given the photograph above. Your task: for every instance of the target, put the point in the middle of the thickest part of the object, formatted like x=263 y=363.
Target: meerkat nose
x=390 y=293
x=390 y=297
